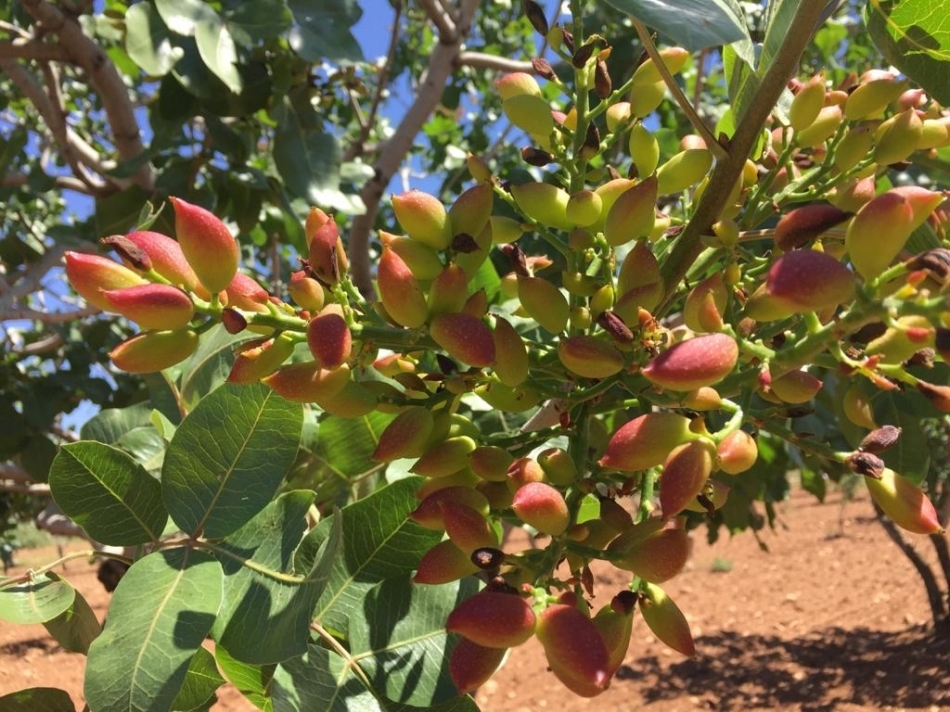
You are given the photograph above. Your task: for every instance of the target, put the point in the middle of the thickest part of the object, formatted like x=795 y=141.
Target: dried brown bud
x=542 y=68
x=535 y=15
x=603 y=86
x=880 y=439
x=935 y=262
x=129 y=251
x=234 y=322
x=865 y=463
x=591 y=141
x=519 y=263
x=536 y=157
x=464 y=243
x=487 y=557
x=614 y=325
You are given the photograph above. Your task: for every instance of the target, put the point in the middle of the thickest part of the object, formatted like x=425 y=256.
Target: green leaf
x=914 y=36
x=320 y=680
x=208 y=367
x=322 y=30
x=253 y=22
x=228 y=457
x=400 y=639
x=252 y=681
x=110 y=424
x=37 y=601
x=145 y=444
x=694 y=24
x=119 y=212
x=308 y=159
x=184 y=16
x=160 y=614
x=344 y=445
x=910 y=455
x=379 y=542
x=263 y=619
x=108 y=494
x=148 y=41
x=201 y=681
x=48 y=699
x=218 y=52
x=76 y=627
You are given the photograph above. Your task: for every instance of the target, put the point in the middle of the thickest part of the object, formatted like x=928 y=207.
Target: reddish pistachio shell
x=574 y=649
x=800 y=226
x=152 y=306
x=879 y=232
x=471 y=210
x=614 y=622
x=490 y=462
x=684 y=473
x=705 y=304
x=795 y=387
x=166 y=256
x=517 y=84
x=91 y=275
x=589 y=357
x=471 y=665
x=467 y=528
x=325 y=248
x=259 y=358
x=245 y=293
x=632 y=215
x=207 y=244
x=449 y=291
x=646 y=441
x=444 y=563
x=429 y=512
x=801 y=281
x=494 y=619
x=153 y=351
x=524 y=470
x=445 y=458
x=559 y=467
x=399 y=290
x=904 y=503
x=543 y=507
x=424 y=218
x=511 y=354
x=329 y=339
x=666 y=620
x=737 y=452
x=694 y=363
x=406 y=435
x=306 y=382
x=464 y=337
x=655 y=555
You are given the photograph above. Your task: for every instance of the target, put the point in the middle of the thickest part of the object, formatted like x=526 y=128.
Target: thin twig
x=481 y=60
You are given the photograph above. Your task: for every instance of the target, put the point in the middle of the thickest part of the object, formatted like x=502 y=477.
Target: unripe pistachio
x=685 y=473
x=491 y=462
x=617 y=115
x=424 y=218
x=355 y=400
x=795 y=387
x=152 y=306
x=543 y=507
x=399 y=290
x=504 y=230
x=853 y=194
x=800 y=226
x=644 y=99
x=666 y=620
x=644 y=149
x=737 y=452
x=449 y=291
x=589 y=357
x=705 y=304
x=471 y=665
x=898 y=343
x=445 y=458
x=306 y=382
x=407 y=435
x=92 y=275
x=422 y=260
x=822 y=129
x=584 y=208
x=922 y=202
x=702 y=399
x=517 y=84
x=511 y=354
x=683 y=170
x=329 y=339
x=674 y=59
x=499 y=494
x=464 y=337
x=639 y=268
x=166 y=257
x=494 y=619
x=207 y=244
x=809 y=100
x=801 y=281
x=855 y=146
x=614 y=622
x=580 y=318
x=654 y=554
x=258 y=359
x=934 y=135
x=632 y=215
x=646 y=441
x=897 y=137
x=544 y=203
x=711 y=498
x=429 y=512
x=524 y=470
x=857 y=408
x=471 y=210
x=878 y=233
x=153 y=351
x=558 y=466
x=575 y=651
x=306 y=291
x=245 y=293
x=544 y=303
x=531 y=114
x=871 y=98
x=325 y=248
x=506 y=398
x=471 y=251
x=479 y=169
x=467 y=528
x=463 y=478
x=904 y=503
x=700 y=361
x=444 y=563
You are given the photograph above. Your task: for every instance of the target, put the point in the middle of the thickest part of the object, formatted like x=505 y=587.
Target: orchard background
x=667 y=259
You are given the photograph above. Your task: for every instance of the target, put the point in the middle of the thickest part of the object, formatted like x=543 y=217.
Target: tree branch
x=480 y=60
x=104 y=76
x=31 y=49
x=440 y=18
x=61 y=182
x=38 y=490
x=441 y=64
x=48 y=317
x=10 y=471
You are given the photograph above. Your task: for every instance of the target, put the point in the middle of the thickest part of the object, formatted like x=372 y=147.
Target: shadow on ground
x=908 y=669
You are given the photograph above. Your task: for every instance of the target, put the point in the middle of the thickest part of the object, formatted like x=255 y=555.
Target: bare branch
x=442 y=62
x=39 y=490
x=61 y=182
x=480 y=60
x=48 y=317
x=31 y=49
x=441 y=19
x=10 y=471
x=104 y=76
x=43 y=346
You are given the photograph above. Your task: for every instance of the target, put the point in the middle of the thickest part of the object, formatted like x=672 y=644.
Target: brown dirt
x=832 y=618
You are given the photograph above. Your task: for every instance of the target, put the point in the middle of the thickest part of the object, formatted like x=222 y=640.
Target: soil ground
x=832 y=617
